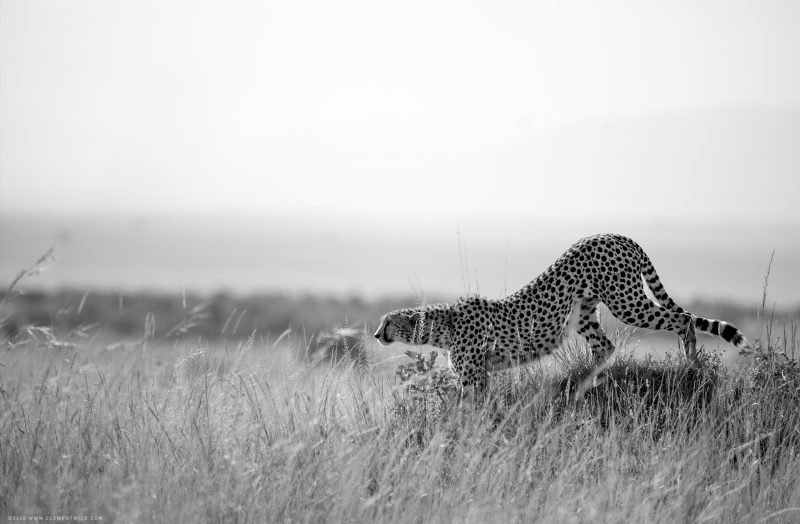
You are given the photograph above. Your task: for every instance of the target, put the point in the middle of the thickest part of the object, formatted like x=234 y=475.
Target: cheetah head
x=398 y=326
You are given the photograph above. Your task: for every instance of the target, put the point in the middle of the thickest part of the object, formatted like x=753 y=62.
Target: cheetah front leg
x=469 y=363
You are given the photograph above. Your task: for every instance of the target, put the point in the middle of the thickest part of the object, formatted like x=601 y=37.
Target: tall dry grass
x=247 y=435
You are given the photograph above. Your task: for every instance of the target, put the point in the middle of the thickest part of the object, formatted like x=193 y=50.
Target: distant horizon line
x=388 y=296
x=310 y=216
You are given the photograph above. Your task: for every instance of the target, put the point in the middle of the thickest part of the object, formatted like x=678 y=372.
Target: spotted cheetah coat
x=487 y=335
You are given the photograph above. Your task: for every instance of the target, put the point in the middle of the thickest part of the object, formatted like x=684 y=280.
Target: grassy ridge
x=241 y=432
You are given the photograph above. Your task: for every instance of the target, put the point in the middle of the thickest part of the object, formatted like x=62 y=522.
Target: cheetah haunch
x=489 y=335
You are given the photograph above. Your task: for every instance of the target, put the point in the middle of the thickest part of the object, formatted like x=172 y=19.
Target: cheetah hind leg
x=589 y=328
x=690 y=342
x=602 y=348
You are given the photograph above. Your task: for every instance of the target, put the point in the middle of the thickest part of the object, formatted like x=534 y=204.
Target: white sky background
x=289 y=142
x=386 y=111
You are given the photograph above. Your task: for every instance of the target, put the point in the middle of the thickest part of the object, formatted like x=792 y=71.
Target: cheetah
x=483 y=335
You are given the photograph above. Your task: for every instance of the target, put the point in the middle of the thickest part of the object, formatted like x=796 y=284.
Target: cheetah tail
x=728 y=332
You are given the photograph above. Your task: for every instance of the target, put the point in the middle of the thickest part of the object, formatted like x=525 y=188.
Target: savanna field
x=194 y=412
x=246 y=208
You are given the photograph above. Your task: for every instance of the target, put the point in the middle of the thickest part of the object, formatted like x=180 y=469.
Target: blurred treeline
x=216 y=316
x=228 y=316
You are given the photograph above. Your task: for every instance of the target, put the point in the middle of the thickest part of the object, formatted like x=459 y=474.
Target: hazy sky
x=387 y=110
